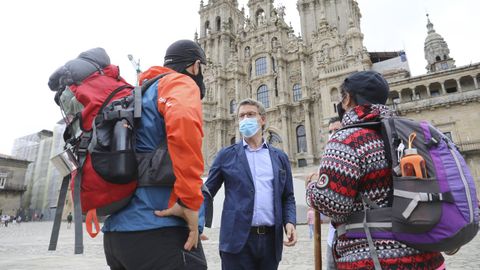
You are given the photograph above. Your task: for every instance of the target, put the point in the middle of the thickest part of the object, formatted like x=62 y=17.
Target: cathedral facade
x=254 y=54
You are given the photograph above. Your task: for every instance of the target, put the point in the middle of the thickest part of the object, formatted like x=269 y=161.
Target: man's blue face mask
x=249 y=127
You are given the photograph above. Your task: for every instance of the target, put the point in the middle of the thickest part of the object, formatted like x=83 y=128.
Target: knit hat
x=183 y=53
x=367 y=87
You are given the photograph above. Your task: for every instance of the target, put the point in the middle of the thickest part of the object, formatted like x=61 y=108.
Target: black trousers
x=257 y=254
x=154 y=249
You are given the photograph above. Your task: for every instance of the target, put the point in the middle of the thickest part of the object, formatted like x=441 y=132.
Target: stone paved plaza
x=25 y=247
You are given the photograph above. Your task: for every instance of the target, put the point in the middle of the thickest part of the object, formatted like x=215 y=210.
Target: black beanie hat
x=183 y=53
x=367 y=87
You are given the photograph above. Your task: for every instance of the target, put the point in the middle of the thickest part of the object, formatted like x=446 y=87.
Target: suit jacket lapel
x=242 y=157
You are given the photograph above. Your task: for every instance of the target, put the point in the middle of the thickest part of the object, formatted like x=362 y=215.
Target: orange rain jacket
x=180 y=105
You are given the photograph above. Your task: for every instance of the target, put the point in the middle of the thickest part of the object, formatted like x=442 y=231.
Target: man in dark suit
x=259 y=201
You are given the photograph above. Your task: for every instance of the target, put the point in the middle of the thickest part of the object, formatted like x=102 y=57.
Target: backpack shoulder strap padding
x=138 y=92
x=137 y=102
x=149 y=83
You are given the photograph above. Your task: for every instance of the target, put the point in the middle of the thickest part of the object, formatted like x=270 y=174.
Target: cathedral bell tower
x=260 y=11
x=340 y=15
x=436 y=51
x=219 y=22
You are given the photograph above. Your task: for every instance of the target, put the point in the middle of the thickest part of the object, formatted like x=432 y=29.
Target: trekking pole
x=317 y=237
x=317 y=232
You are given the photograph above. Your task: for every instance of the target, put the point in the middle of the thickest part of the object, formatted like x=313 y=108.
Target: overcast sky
x=37 y=37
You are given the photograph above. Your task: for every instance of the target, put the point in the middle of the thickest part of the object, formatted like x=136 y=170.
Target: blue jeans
x=311 y=226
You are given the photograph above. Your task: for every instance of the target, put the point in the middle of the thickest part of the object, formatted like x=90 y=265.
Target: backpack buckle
x=84 y=142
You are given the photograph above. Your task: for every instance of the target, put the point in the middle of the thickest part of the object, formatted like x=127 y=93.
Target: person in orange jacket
x=159 y=228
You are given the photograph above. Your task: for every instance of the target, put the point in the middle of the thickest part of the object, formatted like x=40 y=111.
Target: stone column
x=459 y=86
x=314 y=17
x=475 y=82
x=283 y=81
x=304 y=79
x=308 y=132
x=219 y=139
x=428 y=90
x=237 y=89
x=316 y=123
x=220 y=98
x=237 y=101
x=443 y=88
x=285 y=140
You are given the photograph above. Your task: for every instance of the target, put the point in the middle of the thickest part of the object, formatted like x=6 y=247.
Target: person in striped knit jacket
x=354 y=162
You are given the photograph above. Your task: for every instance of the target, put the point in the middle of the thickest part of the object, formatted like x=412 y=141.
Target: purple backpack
x=439 y=213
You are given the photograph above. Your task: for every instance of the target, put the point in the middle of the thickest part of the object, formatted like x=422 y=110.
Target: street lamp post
x=136 y=65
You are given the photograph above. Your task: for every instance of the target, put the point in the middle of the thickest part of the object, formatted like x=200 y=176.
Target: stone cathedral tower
x=254 y=54
x=436 y=51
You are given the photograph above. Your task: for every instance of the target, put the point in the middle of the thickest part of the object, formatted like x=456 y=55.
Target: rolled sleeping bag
x=76 y=70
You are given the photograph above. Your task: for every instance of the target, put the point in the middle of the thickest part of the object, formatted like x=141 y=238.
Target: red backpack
x=98 y=108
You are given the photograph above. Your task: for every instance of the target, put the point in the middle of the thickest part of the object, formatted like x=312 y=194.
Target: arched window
x=262 y=95
x=297 y=92
x=260 y=16
x=207 y=28
x=218 y=23
x=301 y=139
x=233 y=106
x=334 y=97
x=261 y=66
x=438 y=58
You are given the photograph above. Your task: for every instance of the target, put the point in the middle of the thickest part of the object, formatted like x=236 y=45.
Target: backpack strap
x=149 y=83
x=58 y=213
x=371 y=246
x=77 y=211
x=137 y=105
x=112 y=94
x=81 y=156
x=90 y=219
x=77 y=204
x=417 y=197
x=372 y=125
x=138 y=92
x=377 y=220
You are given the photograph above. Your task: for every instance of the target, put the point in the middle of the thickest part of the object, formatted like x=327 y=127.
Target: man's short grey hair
x=249 y=101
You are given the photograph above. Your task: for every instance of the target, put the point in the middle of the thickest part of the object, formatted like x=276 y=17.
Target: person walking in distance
x=159 y=228
x=69 y=220
x=311 y=221
x=259 y=201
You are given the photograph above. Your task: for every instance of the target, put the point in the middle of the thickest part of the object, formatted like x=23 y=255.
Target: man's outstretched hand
x=190 y=216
